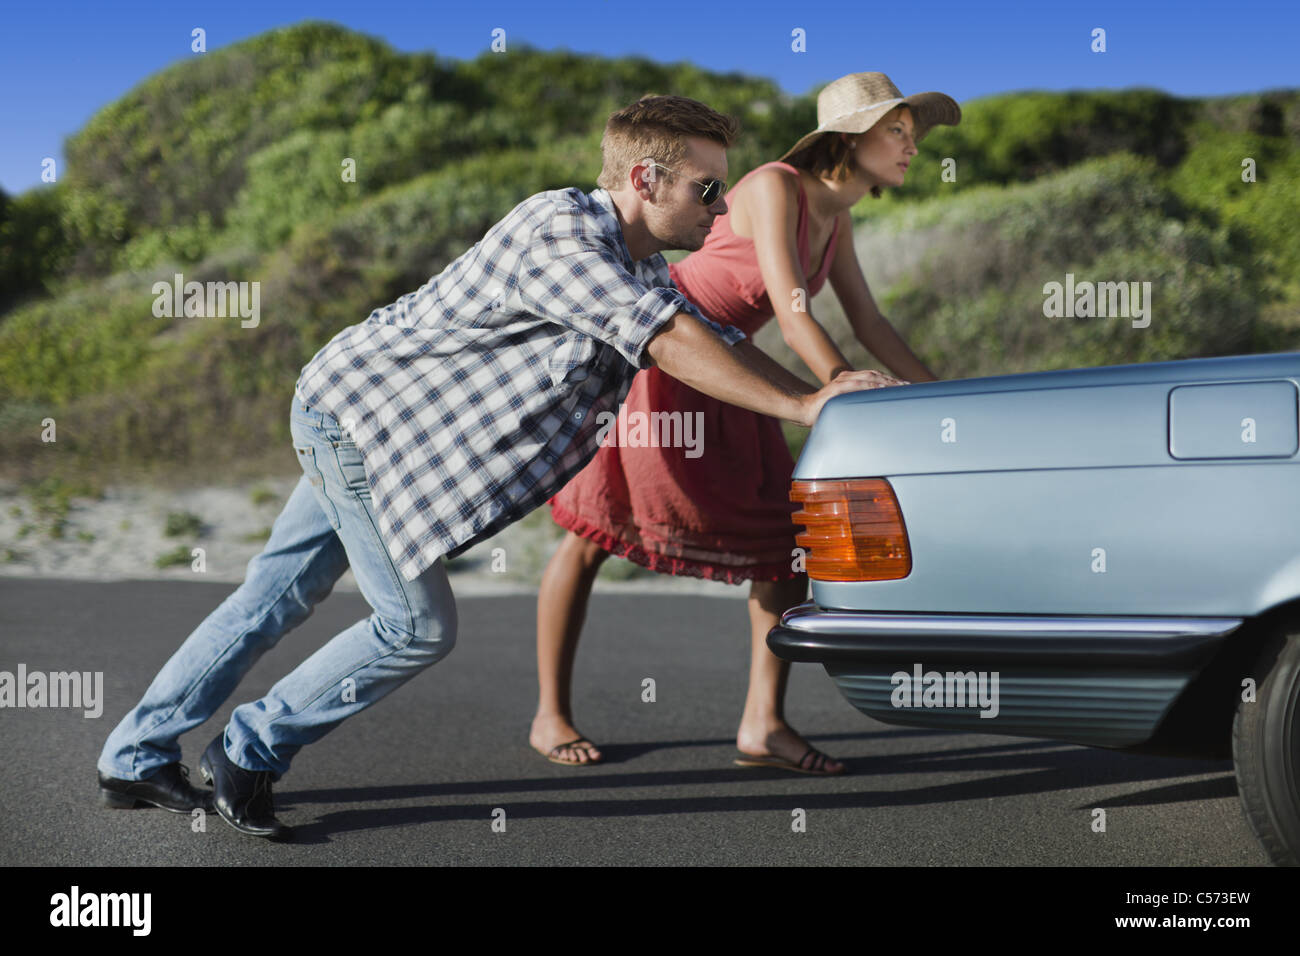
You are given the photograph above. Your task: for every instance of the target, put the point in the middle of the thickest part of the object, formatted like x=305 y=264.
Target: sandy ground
x=122 y=536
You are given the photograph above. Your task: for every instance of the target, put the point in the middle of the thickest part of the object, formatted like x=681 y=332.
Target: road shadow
x=1021 y=767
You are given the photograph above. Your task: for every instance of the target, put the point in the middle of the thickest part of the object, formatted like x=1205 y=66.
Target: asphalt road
x=417 y=778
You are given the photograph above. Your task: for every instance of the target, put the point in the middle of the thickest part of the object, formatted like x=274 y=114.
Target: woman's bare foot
x=780 y=740
x=555 y=738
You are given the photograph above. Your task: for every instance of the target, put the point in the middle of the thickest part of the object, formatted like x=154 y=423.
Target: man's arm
x=770 y=367
x=686 y=349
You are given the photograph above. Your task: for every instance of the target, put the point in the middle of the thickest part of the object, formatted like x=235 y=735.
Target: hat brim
x=928 y=111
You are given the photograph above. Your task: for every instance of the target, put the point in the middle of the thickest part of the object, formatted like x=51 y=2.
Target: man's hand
x=845 y=381
x=688 y=350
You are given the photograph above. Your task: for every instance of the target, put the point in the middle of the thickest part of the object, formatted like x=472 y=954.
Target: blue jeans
x=327 y=524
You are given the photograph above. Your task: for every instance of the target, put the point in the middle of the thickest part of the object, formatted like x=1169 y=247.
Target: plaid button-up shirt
x=475 y=398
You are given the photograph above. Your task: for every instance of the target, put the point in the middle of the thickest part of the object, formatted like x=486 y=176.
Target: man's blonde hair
x=657 y=127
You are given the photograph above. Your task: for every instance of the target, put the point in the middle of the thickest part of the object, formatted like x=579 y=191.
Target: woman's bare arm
x=871 y=328
x=771 y=208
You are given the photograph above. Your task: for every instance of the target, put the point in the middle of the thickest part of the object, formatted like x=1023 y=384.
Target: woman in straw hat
x=725 y=514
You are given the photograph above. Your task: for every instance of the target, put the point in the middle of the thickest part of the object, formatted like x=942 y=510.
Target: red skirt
x=715 y=504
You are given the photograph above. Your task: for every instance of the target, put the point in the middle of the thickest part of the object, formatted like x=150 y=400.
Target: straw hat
x=855 y=103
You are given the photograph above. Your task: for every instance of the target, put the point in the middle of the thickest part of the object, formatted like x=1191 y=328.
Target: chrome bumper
x=810 y=633
x=1101 y=681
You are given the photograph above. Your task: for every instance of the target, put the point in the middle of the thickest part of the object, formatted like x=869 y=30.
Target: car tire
x=1266 y=747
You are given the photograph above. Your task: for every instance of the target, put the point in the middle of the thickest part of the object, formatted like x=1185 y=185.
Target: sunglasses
x=713 y=189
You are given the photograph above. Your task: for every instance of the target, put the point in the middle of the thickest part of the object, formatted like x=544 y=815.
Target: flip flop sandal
x=571 y=744
x=815 y=767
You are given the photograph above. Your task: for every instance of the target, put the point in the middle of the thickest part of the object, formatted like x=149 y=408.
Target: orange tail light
x=853 y=530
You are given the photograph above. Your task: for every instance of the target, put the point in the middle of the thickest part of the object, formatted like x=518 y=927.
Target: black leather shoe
x=167 y=787
x=242 y=797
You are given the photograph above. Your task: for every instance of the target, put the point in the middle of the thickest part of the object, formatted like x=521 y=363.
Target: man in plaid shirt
x=435 y=423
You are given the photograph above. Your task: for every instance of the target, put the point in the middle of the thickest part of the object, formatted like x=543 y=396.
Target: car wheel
x=1266 y=747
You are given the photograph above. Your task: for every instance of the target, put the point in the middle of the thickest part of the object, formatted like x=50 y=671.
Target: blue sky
x=59 y=64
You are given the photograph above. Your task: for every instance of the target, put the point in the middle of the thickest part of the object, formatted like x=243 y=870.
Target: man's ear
x=643 y=177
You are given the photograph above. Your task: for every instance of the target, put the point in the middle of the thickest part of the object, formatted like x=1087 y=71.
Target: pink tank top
x=723 y=278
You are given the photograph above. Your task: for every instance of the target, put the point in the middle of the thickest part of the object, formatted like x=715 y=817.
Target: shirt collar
x=609 y=219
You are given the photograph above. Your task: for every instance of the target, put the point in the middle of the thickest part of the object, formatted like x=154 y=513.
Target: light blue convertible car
x=1106 y=556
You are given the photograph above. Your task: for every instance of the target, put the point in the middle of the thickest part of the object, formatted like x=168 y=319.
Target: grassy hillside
x=227 y=167
x=963 y=278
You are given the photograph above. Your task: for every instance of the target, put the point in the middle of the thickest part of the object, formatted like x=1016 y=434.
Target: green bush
x=300 y=178
x=1267 y=210
x=33 y=245
x=176 y=145
x=177 y=557
x=186 y=243
x=52 y=351
x=1018 y=137
x=974 y=303
x=263 y=125
x=182 y=523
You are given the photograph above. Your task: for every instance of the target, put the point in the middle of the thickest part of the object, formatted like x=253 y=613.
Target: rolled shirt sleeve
x=574 y=276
